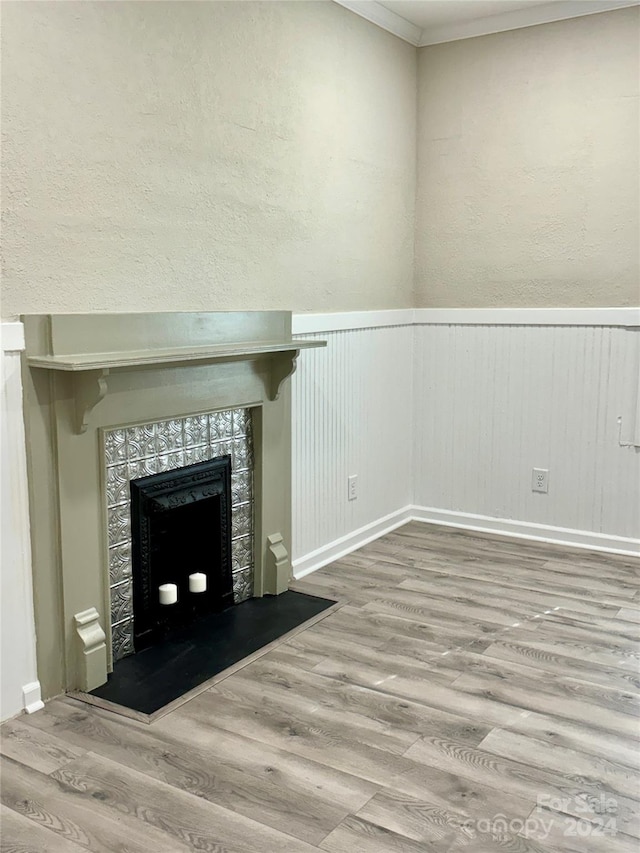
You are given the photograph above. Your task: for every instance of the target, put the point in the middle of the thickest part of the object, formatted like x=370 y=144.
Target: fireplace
x=134 y=456
x=113 y=399
x=181 y=547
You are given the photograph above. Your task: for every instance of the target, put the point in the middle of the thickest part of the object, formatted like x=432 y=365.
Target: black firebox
x=180 y=526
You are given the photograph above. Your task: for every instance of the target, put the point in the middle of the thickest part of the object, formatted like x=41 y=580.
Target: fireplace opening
x=181 y=548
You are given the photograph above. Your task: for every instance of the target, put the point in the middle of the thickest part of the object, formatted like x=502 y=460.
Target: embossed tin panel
x=138 y=451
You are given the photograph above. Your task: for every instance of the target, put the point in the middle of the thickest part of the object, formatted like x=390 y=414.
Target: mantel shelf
x=90 y=370
x=86 y=361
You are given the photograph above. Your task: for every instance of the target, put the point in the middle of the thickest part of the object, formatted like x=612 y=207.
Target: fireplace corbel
x=90 y=371
x=84 y=374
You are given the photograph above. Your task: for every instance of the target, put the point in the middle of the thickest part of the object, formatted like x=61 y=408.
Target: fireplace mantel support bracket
x=276 y=361
x=283 y=367
x=90 y=386
x=90 y=389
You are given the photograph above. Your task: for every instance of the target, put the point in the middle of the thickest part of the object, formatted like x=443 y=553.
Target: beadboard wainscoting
x=352 y=414
x=492 y=402
x=19 y=688
x=468 y=401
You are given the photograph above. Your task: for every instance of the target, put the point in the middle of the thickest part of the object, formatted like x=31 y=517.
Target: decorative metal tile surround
x=138 y=451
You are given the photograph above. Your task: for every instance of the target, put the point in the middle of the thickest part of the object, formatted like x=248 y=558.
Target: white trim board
x=12 y=333
x=528 y=316
x=32 y=698
x=528 y=530
x=12 y=337
x=509 y=528
x=306 y=324
x=20 y=688
x=351 y=542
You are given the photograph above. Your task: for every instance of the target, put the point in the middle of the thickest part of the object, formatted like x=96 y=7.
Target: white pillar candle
x=197 y=582
x=168 y=593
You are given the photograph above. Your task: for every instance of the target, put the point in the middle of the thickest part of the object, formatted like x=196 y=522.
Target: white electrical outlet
x=352 y=487
x=540 y=480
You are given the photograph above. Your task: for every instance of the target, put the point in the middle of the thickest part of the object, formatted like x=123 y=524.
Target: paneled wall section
x=445 y=422
x=492 y=402
x=19 y=687
x=352 y=414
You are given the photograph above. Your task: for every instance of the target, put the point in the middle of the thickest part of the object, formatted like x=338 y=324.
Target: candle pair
x=168 y=592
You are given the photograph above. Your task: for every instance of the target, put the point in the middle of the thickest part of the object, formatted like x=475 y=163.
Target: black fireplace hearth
x=190 y=656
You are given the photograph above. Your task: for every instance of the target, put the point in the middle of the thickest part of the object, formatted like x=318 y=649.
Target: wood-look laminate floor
x=471 y=694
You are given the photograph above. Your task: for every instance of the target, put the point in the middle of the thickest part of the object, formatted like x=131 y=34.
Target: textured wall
x=528 y=167
x=205 y=156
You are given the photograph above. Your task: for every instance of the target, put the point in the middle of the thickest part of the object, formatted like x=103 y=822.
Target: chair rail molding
x=303 y=323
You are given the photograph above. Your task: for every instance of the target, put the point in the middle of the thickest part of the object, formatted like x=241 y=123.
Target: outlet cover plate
x=352 y=487
x=540 y=480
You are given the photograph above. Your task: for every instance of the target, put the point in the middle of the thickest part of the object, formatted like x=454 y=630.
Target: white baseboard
x=464 y=521
x=346 y=544
x=31 y=696
x=528 y=530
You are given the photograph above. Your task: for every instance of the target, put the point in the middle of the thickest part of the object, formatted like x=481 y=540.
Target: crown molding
x=530 y=16
x=384 y=18
x=546 y=13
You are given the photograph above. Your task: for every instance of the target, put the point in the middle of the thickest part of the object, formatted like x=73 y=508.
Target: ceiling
x=424 y=22
x=433 y=13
